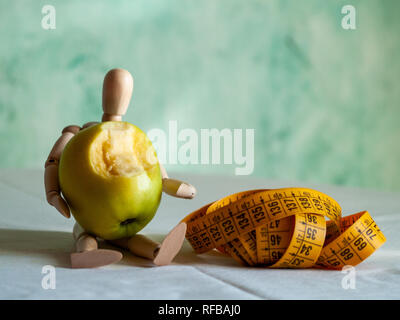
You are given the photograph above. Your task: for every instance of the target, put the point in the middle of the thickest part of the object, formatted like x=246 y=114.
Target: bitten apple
x=110 y=177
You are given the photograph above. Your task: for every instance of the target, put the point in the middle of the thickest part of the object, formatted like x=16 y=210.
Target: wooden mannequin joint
x=111 y=117
x=72 y=129
x=51 y=161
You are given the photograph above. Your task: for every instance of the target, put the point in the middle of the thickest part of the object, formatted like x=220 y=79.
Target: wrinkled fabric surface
x=33 y=235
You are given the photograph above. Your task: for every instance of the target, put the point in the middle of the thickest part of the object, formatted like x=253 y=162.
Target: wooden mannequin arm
x=51 y=171
x=176 y=188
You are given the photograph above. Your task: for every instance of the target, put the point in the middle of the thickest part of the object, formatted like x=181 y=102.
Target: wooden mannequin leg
x=139 y=245
x=87 y=254
x=171 y=245
x=161 y=254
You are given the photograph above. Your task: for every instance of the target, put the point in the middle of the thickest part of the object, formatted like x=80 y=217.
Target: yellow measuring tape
x=284 y=228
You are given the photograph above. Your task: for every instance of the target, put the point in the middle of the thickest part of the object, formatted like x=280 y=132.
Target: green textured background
x=324 y=102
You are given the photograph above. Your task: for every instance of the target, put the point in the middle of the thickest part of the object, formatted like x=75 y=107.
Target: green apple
x=110 y=177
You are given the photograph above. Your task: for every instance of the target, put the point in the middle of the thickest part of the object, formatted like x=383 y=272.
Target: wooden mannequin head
x=117 y=92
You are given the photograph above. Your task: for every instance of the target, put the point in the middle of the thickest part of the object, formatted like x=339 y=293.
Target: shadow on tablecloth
x=56 y=246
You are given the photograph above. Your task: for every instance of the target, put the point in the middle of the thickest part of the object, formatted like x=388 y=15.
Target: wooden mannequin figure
x=117 y=92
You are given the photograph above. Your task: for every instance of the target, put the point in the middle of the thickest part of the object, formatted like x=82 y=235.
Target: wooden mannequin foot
x=94 y=258
x=171 y=245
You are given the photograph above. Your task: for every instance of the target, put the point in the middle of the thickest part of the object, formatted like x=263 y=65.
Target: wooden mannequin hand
x=59 y=203
x=176 y=188
x=179 y=189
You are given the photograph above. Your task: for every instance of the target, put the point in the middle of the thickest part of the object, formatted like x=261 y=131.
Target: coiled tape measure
x=284 y=228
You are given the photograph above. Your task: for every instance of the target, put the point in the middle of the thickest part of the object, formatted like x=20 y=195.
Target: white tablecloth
x=33 y=234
